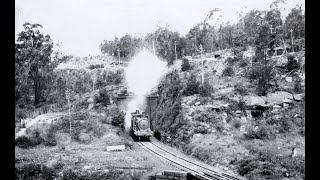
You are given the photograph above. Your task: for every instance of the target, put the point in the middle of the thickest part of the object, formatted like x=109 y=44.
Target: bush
x=292 y=64
x=263 y=74
x=240 y=89
x=103 y=97
x=118 y=120
x=236 y=124
x=212 y=118
x=115 y=77
x=297 y=86
x=185 y=66
x=228 y=71
x=192 y=86
x=233 y=60
x=243 y=63
x=205 y=89
x=21 y=113
x=35 y=171
x=262 y=132
x=96 y=66
x=77 y=175
x=80 y=115
x=25 y=142
x=265 y=165
x=50 y=139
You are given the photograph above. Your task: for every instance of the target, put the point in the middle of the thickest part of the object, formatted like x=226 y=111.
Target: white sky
x=81 y=25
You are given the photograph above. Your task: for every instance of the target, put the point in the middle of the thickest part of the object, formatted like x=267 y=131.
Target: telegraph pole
x=202 y=74
x=291 y=30
x=175 y=49
x=68 y=98
x=119 y=54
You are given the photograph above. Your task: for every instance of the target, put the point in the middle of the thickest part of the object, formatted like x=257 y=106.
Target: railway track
x=200 y=171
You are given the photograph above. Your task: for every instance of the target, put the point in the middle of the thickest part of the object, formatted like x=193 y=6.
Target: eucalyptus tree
x=33 y=62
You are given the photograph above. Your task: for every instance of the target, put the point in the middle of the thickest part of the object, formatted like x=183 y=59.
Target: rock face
x=255 y=101
x=279 y=98
x=289 y=79
x=90 y=106
x=84 y=137
x=298 y=97
x=90 y=100
x=281 y=61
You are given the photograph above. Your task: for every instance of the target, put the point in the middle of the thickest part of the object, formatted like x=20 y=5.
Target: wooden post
x=291 y=30
x=68 y=98
x=202 y=74
x=175 y=49
x=119 y=54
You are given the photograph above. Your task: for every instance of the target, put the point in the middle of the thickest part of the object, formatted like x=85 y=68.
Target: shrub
x=35 y=171
x=80 y=115
x=21 y=113
x=263 y=74
x=241 y=104
x=50 y=139
x=185 y=66
x=103 y=97
x=209 y=117
x=297 y=86
x=262 y=132
x=96 y=66
x=240 y=89
x=292 y=63
x=118 y=120
x=243 y=63
x=228 y=71
x=266 y=165
x=115 y=77
x=233 y=60
x=201 y=129
x=205 y=89
x=236 y=124
x=192 y=86
x=25 y=142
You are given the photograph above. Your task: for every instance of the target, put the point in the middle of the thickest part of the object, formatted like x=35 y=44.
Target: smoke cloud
x=142 y=74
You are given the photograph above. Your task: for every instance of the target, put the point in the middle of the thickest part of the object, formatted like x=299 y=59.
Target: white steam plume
x=142 y=74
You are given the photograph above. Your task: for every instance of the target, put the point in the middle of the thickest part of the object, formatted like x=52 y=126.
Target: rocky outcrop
x=255 y=101
x=279 y=97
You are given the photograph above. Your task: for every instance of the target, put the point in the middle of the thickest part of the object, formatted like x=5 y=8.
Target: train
x=140 y=126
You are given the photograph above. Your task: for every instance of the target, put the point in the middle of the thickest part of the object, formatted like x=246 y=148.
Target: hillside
x=234 y=127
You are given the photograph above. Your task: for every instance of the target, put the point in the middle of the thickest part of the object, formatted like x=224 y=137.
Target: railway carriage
x=140 y=125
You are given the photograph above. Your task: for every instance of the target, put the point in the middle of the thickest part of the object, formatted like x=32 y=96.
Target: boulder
x=281 y=61
x=197 y=103
x=276 y=106
x=189 y=102
x=278 y=98
x=84 y=137
x=288 y=79
x=255 y=101
x=90 y=106
x=298 y=97
x=90 y=100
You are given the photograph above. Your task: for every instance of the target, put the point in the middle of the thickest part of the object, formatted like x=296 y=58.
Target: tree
x=33 y=61
x=252 y=20
x=295 y=21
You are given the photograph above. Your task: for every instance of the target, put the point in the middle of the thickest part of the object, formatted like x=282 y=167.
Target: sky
x=82 y=25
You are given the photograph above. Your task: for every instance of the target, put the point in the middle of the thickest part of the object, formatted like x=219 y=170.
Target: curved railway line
x=200 y=171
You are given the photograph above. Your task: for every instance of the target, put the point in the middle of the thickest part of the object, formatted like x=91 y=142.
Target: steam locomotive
x=140 y=126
